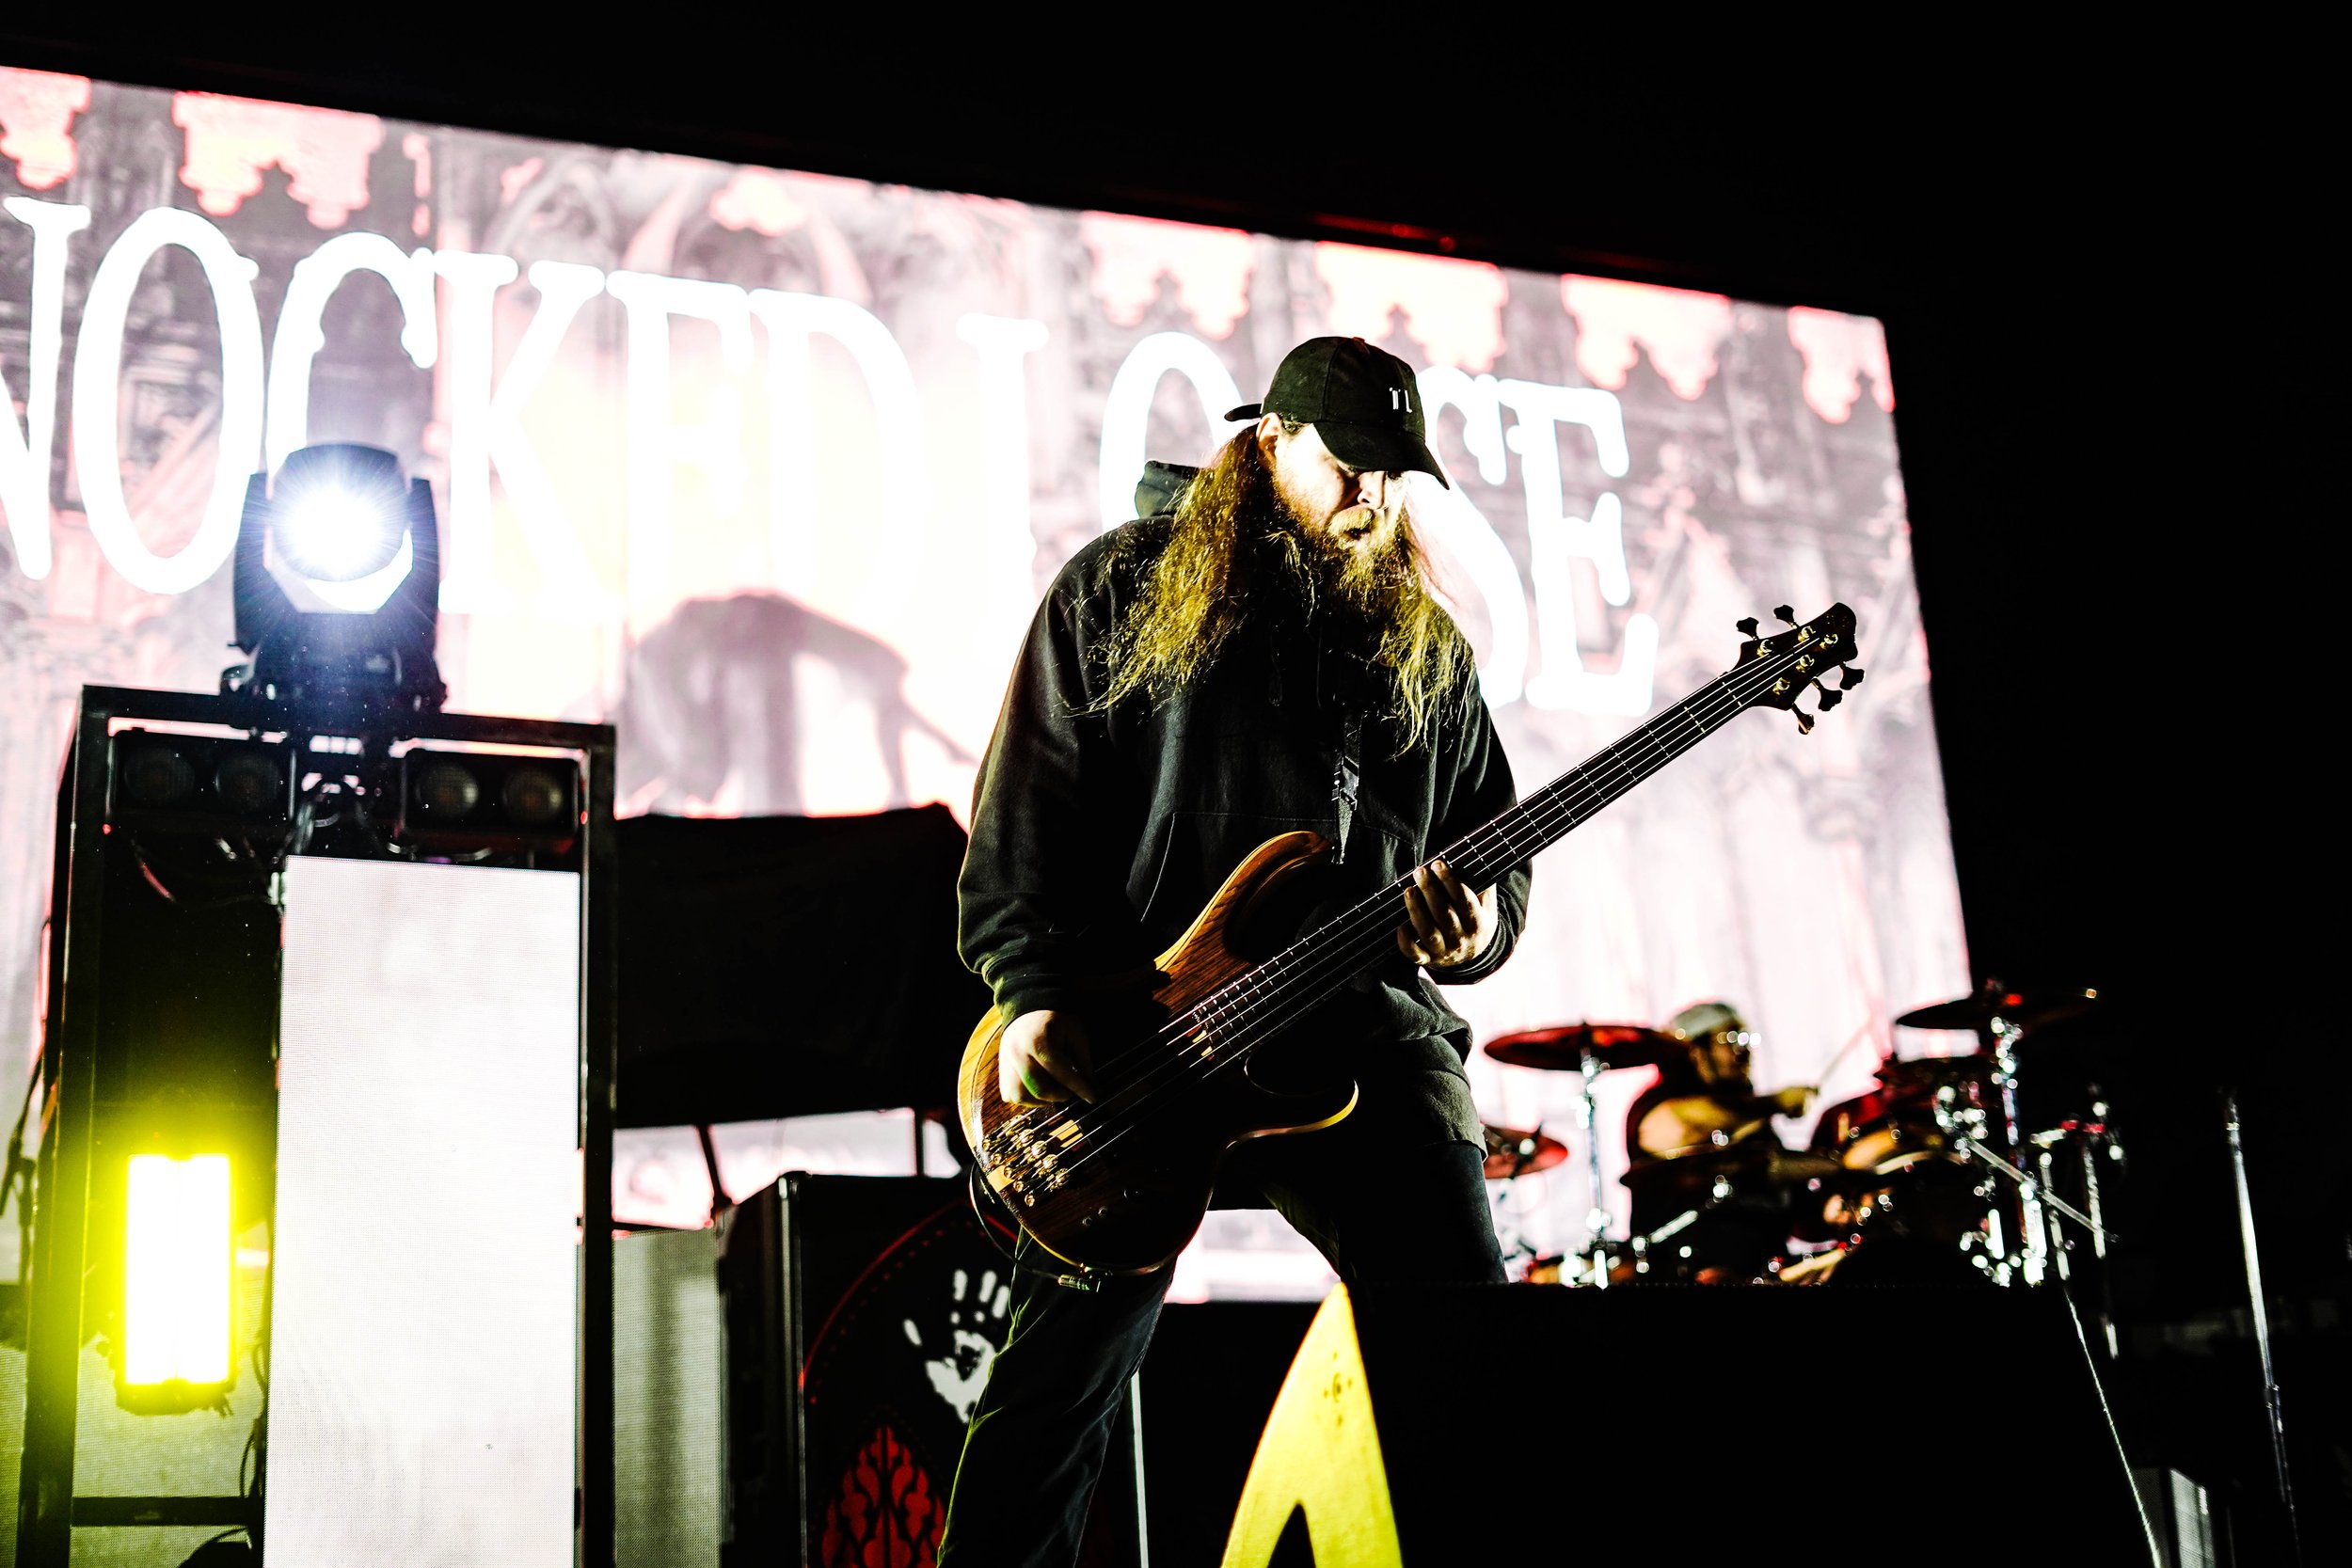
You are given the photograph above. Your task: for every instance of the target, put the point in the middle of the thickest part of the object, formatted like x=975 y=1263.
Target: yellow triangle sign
x=1321 y=1453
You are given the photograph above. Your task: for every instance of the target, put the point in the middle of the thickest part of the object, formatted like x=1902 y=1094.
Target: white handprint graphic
x=975 y=1324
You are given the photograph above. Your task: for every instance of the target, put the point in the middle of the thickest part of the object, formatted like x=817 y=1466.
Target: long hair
x=1232 y=543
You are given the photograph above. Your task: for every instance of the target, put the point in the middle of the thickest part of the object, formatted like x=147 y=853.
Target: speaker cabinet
x=1427 y=1426
x=1210 y=1379
x=860 y=1315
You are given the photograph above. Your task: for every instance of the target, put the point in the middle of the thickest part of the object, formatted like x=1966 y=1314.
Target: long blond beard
x=1236 y=549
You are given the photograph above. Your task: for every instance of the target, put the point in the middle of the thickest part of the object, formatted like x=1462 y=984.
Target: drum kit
x=1927 y=1176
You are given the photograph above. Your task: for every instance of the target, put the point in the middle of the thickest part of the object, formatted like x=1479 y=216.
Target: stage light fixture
x=446 y=792
x=176 y=1350
x=458 y=801
x=357 y=538
x=181 y=817
x=535 y=800
x=215 y=786
x=156 y=773
x=248 y=780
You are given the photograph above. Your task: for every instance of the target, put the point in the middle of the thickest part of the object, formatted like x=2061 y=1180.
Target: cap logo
x=1399 y=399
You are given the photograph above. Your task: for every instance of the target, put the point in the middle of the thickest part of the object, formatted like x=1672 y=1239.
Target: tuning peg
x=1748 y=625
x=1805 y=720
x=1785 y=614
x=1849 y=676
x=1829 y=699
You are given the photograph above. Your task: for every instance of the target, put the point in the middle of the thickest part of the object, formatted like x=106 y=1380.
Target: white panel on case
x=421 y=1401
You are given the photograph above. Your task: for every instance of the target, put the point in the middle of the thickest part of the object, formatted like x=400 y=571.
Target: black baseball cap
x=1362 y=401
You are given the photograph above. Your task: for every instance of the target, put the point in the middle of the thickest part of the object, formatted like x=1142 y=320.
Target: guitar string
x=1250 y=1021
x=1290 y=1007
x=1343 y=939
x=1634 y=741
x=1637 y=746
x=1373 y=916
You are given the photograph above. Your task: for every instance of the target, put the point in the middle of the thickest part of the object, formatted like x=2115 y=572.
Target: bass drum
x=1918 y=1226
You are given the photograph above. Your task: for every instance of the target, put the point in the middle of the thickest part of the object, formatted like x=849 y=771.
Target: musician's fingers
x=1418 y=918
x=1421 y=949
x=1445 y=910
x=1477 y=909
x=1066 y=1061
x=1021 y=1082
x=1484 y=917
x=1469 y=904
x=1416 y=936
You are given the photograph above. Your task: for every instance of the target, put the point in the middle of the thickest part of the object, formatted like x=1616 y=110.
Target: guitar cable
x=1089 y=1280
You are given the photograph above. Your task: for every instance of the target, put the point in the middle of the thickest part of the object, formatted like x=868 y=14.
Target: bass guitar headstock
x=1774 y=668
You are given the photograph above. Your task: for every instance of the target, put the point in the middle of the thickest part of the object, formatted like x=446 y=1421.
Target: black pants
x=1379 y=1213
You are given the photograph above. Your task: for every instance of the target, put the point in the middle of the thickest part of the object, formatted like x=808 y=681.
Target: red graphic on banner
x=1453 y=309
x=1839 y=350
x=37 y=110
x=1210 y=267
x=231 y=140
x=885 y=1515
x=1681 y=329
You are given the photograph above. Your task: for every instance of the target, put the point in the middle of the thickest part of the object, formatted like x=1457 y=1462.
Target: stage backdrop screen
x=770 y=467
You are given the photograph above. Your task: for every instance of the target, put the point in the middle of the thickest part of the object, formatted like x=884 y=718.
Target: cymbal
x=1562 y=1048
x=1511 y=1152
x=1754 y=1165
x=1925 y=1075
x=2021 y=1010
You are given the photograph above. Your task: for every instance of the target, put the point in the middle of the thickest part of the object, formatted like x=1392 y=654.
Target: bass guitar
x=1119 y=1186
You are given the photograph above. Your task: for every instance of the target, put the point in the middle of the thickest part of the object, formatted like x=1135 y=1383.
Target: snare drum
x=1883 y=1129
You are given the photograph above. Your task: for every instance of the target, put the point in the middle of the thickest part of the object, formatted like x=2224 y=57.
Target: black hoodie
x=1098 y=836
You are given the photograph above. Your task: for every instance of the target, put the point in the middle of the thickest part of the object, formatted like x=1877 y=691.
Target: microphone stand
x=2261 y=1320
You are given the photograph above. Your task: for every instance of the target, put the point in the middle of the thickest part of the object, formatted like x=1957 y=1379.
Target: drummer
x=1704 y=1100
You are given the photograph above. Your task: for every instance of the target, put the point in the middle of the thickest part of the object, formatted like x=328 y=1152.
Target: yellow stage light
x=176 y=1270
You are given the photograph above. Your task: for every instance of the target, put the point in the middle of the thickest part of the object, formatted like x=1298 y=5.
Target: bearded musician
x=1266 y=656
x=1704 y=1115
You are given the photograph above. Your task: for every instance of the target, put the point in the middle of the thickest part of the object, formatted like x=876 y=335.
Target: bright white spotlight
x=362 y=540
x=338 y=535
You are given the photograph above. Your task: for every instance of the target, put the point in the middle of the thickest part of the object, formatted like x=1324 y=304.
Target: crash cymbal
x=2021 y=1010
x=1562 y=1048
x=1511 y=1152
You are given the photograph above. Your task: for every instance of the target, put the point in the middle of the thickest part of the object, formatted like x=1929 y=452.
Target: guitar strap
x=1346 y=773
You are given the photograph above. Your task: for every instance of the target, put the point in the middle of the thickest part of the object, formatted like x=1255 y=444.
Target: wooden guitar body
x=1124 y=1198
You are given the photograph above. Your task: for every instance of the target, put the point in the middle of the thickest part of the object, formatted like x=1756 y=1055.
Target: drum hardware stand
x=2089 y=1140
x=2262 y=1320
x=2098 y=1135
x=1602 y=1256
x=2025 y=1178
x=1597 y=1214
x=2033 y=1241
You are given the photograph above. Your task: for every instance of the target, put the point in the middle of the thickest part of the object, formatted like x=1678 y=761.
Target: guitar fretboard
x=1276 y=993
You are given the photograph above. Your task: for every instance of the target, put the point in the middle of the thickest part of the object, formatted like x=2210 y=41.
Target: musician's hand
x=1446 y=924
x=1042 y=1059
